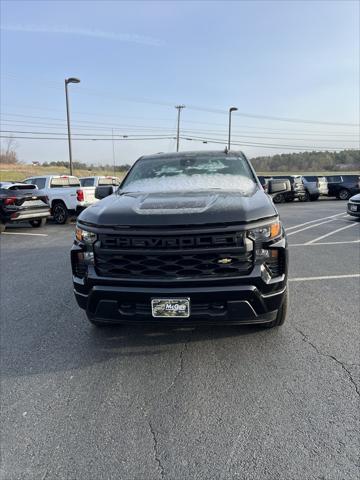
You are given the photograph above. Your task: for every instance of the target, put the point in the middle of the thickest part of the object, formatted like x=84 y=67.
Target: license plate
x=353 y=208
x=170 y=307
x=33 y=203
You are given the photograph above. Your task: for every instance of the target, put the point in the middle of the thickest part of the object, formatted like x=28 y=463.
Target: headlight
x=84 y=236
x=266 y=232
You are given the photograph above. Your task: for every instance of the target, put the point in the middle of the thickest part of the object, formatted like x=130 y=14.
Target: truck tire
x=314 y=197
x=279 y=198
x=344 y=194
x=281 y=315
x=60 y=213
x=305 y=197
x=38 y=222
x=2 y=227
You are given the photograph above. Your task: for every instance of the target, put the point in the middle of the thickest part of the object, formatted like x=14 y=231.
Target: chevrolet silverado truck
x=189 y=238
x=66 y=198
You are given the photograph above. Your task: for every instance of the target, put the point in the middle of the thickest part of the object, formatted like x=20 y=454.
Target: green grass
x=21 y=171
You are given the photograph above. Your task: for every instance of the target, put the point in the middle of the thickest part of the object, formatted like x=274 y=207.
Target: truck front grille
x=186 y=257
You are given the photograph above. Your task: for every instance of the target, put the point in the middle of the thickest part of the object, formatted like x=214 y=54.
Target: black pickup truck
x=188 y=239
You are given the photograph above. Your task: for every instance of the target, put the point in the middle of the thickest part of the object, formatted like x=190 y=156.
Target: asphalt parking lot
x=214 y=403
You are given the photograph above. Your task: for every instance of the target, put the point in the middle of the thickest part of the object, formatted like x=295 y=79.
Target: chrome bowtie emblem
x=224 y=261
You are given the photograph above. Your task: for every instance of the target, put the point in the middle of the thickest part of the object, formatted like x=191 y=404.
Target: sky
x=290 y=67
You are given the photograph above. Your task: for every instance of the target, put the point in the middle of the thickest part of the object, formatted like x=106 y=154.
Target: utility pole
x=67 y=81
x=179 y=108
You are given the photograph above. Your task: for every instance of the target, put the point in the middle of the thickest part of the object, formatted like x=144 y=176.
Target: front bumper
x=248 y=300
x=351 y=212
x=227 y=305
x=27 y=214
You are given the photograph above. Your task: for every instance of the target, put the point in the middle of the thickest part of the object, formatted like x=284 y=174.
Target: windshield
x=190 y=173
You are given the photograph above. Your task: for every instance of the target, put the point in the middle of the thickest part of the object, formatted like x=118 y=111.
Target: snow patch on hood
x=193 y=183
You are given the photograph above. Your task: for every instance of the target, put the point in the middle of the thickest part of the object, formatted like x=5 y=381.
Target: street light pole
x=231 y=109
x=179 y=108
x=113 y=149
x=67 y=81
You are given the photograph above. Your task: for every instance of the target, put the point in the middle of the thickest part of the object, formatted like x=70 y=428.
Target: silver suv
x=314 y=187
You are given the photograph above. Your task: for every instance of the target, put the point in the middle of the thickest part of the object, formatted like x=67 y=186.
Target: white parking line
x=313 y=221
x=325 y=277
x=311 y=226
x=29 y=234
x=321 y=243
x=331 y=233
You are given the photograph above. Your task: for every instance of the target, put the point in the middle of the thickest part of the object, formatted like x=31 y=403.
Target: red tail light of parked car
x=10 y=201
x=80 y=195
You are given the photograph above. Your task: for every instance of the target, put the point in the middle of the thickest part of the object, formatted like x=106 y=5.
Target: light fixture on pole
x=231 y=109
x=67 y=81
x=179 y=108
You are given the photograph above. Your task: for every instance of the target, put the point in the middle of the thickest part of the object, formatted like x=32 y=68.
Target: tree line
x=84 y=166
x=345 y=160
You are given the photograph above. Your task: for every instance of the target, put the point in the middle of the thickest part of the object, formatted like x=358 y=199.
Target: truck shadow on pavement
x=84 y=346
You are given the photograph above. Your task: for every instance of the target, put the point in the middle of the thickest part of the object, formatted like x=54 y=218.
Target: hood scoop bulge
x=174 y=203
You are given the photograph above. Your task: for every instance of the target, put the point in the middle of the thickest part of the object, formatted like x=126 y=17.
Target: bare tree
x=8 y=153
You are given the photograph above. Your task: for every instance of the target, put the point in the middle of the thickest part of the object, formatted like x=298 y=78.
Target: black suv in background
x=343 y=186
x=189 y=238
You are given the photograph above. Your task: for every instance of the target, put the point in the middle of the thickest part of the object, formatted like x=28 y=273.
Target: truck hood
x=188 y=208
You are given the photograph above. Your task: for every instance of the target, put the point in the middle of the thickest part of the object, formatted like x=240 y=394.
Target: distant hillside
x=346 y=160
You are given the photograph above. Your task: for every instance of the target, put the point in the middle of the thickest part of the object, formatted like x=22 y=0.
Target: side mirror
x=280 y=185
x=103 y=191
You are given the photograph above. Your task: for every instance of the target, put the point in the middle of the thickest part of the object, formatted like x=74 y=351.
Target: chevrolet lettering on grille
x=153 y=243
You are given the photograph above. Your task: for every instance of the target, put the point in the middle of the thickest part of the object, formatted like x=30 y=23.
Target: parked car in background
x=314 y=187
x=297 y=189
x=89 y=184
x=62 y=191
x=323 y=186
x=353 y=206
x=21 y=202
x=343 y=186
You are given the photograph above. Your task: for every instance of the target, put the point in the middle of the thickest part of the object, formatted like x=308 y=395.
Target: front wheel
x=2 y=227
x=344 y=194
x=281 y=315
x=279 y=198
x=38 y=222
x=305 y=197
x=60 y=213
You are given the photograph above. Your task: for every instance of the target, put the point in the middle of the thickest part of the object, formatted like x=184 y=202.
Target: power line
x=200 y=139
x=90 y=92
x=88 y=139
x=112 y=125
x=151 y=135
x=169 y=119
x=288 y=147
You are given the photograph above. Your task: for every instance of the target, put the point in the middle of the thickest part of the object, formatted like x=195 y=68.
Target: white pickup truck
x=89 y=184
x=66 y=197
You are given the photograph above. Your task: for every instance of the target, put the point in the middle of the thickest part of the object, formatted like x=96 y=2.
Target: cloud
x=86 y=32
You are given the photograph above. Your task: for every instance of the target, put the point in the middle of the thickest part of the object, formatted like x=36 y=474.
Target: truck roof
x=56 y=175
x=193 y=153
